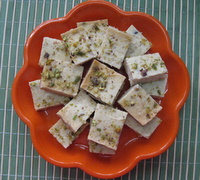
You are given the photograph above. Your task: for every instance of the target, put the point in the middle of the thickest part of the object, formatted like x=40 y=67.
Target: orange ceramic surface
x=131 y=149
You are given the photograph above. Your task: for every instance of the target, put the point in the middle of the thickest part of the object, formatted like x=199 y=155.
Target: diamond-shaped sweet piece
x=61 y=77
x=145 y=68
x=114 y=47
x=144 y=131
x=102 y=82
x=99 y=149
x=138 y=103
x=78 y=45
x=139 y=44
x=106 y=126
x=77 y=111
x=95 y=31
x=63 y=134
x=157 y=88
x=43 y=99
x=53 y=49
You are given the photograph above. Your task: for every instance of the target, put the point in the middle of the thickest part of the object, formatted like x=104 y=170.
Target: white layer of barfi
x=102 y=82
x=106 y=126
x=145 y=68
x=95 y=31
x=139 y=44
x=53 y=49
x=144 y=131
x=138 y=103
x=99 y=149
x=63 y=134
x=43 y=99
x=114 y=47
x=78 y=45
x=157 y=88
x=77 y=111
x=61 y=77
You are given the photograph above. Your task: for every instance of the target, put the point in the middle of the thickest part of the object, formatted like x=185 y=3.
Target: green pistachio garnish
x=77 y=79
x=154 y=66
x=96 y=28
x=135 y=66
x=74 y=118
x=79 y=53
x=49 y=61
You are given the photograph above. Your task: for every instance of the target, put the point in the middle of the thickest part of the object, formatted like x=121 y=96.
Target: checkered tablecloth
x=18 y=158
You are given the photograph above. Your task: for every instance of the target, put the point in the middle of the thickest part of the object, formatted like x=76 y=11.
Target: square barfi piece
x=146 y=130
x=95 y=31
x=138 y=103
x=100 y=149
x=77 y=111
x=78 y=45
x=63 y=134
x=43 y=99
x=114 y=47
x=102 y=82
x=106 y=126
x=53 y=49
x=61 y=77
x=139 y=44
x=145 y=68
x=157 y=88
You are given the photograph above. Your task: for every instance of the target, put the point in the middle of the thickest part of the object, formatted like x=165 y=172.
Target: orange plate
x=131 y=149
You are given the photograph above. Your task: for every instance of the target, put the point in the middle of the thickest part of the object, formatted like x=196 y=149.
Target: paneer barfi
x=106 y=126
x=61 y=77
x=146 y=130
x=139 y=44
x=103 y=83
x=78 y=45
x=100 y=149
x=139 y=104
x=53 y=49
x=145 y=68
x=114 y=47
x=43 y=99
x=95 y=31
x=156 y=89
x=63 y=134
x=77 y=111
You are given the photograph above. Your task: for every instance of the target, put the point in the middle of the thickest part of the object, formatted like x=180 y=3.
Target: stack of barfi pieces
x=89 y=100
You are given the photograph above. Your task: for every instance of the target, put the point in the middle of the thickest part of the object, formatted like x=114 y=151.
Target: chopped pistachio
x=79 y=53
x=51 y=84
x=98 y=129
x=144 y=41
x=49 y=61
x=77 y=79
x=66 y=45
x=96 y=28
x=94 y=123
x=33 y=84
x=155 y=105
x=64 y=38
x=158 y=91
x=102 y=85
x=68 y=85
x=134 y=66
x=118 y=130
x=154 y=66
x=74 y=118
